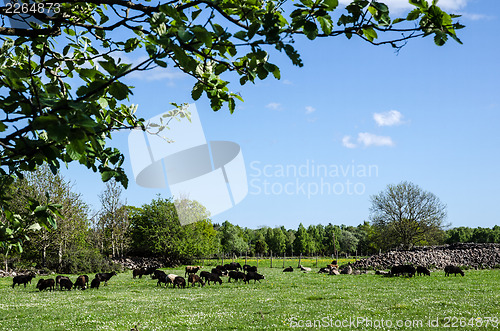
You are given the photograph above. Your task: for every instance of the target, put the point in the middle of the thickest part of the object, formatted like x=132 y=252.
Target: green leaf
x=232 y=105
x=440 y=38
x=197 y=91
x=326 y=24
x=413 y=15
x=370 y=34
x=310 y=30
x=252 y=29
x=107 y=175
x=202 y=35
x=119 y=90
x=331 y=4
x=240 y=35
x=109 y=66
x=419 y=3
x=73 y=153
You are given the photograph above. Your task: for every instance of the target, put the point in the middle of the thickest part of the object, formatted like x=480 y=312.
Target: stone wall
x=473 y=255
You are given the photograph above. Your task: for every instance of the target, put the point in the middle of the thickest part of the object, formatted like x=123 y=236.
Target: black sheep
x=180 y=282
x=66 y=283
x=255 y=276
x=22 y=279
x=423 y=271
x=236 y=275
x=213 y=278
x=96 y=282
x=289 y=269
x=451 y=269
x=44 y=284
x=106 y=276
x=403 y=269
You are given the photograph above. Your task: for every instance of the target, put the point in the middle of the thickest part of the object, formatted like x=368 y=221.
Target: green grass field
x=281 y=301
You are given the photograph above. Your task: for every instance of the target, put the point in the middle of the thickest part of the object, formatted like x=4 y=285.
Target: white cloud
x=395 y=5
x=156 y=74
x=274 y=106
x=476 y=17
x=346 y=142
x=369 y=139
x=310 y=109
x=389 y=118
x=287 y=82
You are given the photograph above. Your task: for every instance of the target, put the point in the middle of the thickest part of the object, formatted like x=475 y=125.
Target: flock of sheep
x=234 y=271
x=398 y=270
x=63 y=282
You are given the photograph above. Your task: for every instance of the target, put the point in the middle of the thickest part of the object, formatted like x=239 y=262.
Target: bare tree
x=405 y=214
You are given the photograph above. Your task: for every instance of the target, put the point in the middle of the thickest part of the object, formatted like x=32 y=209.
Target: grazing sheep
x=191 y=270
x=157 y=274
x=403 y=269
x=221 y=268
x=179 y=281
x=205 y=274
x=138 y=272
x=106 y=276
x=423 y=271
x=96 y=282
x=44 y=284
x=233 y=266
x=80 y=282
x=58 y=280
x=193 y=278
x=216 y=271
x=289 y=269
x=65 y=283
x=213 y=278
x=255 y=276
x=249 y=268
x=167 y=279
x=236 y=275
x=149 y=270
x=22 y=279
x=451 y=269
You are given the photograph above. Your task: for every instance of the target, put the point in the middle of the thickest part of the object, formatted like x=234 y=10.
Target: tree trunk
x=44 y=255
x=60 y=253
x=113 y=244
x=6 y=261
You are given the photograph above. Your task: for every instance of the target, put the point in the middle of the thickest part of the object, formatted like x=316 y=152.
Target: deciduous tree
x=406 y=215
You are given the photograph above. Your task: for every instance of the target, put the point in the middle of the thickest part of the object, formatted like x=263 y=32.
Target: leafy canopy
x=61 y=93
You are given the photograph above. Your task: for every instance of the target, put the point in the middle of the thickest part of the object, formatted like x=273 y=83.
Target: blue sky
x=429 y=115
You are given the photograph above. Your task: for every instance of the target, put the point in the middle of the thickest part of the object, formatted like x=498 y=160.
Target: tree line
x=84 y=240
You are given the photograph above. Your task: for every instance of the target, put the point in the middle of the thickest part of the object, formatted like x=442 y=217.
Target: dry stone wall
x=472 y=255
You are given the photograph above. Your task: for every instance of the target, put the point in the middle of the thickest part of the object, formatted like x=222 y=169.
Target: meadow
x=281 y=301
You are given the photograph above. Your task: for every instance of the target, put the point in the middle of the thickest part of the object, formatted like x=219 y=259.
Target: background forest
x=85 y=240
